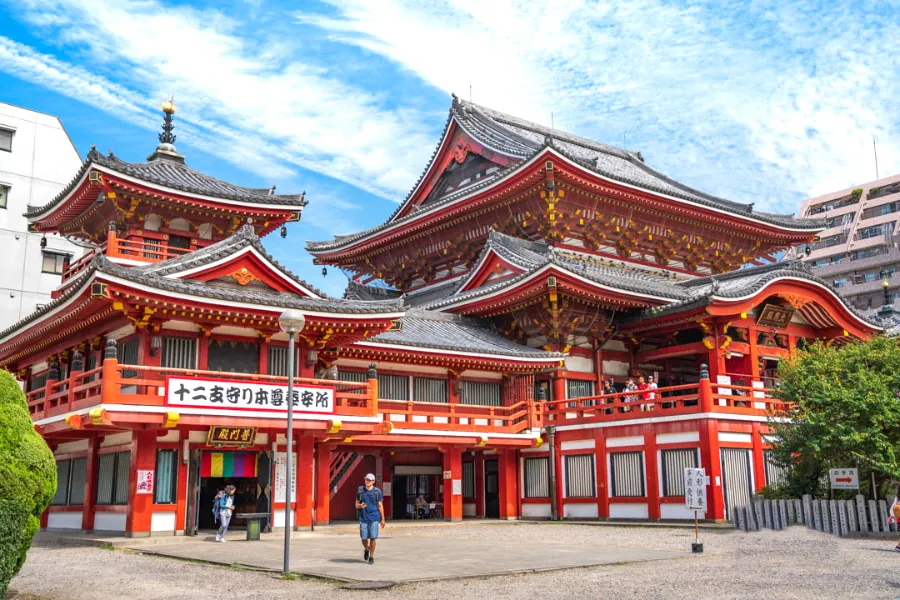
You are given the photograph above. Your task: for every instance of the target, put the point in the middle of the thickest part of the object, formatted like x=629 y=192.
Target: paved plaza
x=616 y=563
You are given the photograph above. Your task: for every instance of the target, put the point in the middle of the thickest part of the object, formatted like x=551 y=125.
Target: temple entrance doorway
x=242 y=470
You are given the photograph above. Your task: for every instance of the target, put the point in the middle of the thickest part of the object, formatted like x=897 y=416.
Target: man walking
x=370 y=507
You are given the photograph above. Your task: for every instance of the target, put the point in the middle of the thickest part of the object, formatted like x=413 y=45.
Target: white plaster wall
x=482 y=375
x=179 y=326
x=620 y=442
x=677 y=511
x=615 y=345
x=578 y=445
x=468 y=509
x=628 y=511
x=198 y=437
x=580 y=511
x=107 y=521
x=43 y=160
x=64 y=520
x=539 y=511
x=579 y=364
x=237 y=331
x=615 y=367
x=678 y=438
x=78 y=446
x=171 y=436
x=742 y=438
x=116 y=439
x=163 y=522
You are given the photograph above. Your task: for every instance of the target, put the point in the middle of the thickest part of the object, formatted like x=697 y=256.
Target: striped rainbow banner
x=228 y=464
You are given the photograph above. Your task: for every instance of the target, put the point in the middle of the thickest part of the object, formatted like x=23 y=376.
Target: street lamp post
x=291 y=322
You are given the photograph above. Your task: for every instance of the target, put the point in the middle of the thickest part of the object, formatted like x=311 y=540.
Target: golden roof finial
x=168 y=106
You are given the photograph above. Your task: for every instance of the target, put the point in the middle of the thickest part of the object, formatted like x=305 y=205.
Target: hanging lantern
x=44 y=242
x=324 y=271
x=284 y=231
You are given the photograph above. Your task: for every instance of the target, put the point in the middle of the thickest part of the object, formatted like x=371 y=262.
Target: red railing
x=144 y=251
x=460 y=417
x=81 y=390
x=72 y=270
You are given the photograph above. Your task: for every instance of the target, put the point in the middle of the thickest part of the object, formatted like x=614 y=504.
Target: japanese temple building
x=466 y=361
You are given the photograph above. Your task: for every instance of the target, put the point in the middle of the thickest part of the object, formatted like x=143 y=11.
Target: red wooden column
x=560 y=505
x=710 y=454
x=559 y=387
x=90 y=483
x=479 y=484
x=303 y=506
x=203 y=350
x=507 y=480
x=754 y=352
x=181 y=487
x=453 y=509
x=140 y=506
x=759 y=464
x=652 y=474
x=263 y=367
x=602 y=476
x=323 y=484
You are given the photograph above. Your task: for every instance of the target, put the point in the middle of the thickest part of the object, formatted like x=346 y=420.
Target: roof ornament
x=166 y=148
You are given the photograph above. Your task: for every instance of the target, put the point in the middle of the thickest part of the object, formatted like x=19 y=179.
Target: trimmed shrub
x=27 y=479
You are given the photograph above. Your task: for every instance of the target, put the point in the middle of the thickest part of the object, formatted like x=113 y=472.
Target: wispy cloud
x=764 y=101
x=247 y=95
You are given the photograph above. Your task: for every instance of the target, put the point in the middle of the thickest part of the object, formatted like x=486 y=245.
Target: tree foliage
x=27 y=479
x=845 y=412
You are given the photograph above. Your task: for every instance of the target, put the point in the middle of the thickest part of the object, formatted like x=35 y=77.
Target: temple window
x=427 y=389
x=71 y=475
x=179 y=353
x=468 y=480
x=626 y=470
x=4 y=195
x=537 y=477
x=112 y=478
x=480 y=393
x=180 y=224
x=165 y=484
x=579 y=388
x=580 y=476
x=278 y=361
x=673 y=463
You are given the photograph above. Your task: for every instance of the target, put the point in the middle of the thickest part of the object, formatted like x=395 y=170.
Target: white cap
x=370 y=476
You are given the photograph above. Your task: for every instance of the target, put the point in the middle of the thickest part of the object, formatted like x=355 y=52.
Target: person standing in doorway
x=370 y=507
x=225 y=503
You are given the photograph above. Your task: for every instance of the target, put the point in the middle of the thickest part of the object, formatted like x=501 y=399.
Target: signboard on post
x=695 y=489
x=844 y=479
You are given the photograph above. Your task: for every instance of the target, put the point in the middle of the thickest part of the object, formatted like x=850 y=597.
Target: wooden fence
x=838 y=517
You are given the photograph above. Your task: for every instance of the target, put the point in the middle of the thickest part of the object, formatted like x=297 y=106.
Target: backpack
x=217 y=506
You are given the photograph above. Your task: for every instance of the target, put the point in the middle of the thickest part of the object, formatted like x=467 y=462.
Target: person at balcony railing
x=643 y=386
x=651 y=394
x=629 y=387
x=609 y=388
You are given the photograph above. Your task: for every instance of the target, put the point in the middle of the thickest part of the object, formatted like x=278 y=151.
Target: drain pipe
x=551 y=440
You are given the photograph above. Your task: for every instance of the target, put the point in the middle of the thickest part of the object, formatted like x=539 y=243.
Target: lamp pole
x=291 y=322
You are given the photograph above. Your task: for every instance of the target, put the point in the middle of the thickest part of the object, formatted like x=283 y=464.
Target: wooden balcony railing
x=73 y=270
x=516 y=418
x=143 y=250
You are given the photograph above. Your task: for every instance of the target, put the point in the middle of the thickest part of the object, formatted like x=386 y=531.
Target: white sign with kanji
x=695 y=489
x=145 y=482
x=844 y=479
x=226 y=394
x=281 y=475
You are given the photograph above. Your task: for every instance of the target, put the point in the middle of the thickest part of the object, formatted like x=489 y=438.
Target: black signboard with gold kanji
x=226 y=435
x=775 y=316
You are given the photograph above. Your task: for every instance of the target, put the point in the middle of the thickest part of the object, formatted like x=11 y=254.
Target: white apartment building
x=37 y=159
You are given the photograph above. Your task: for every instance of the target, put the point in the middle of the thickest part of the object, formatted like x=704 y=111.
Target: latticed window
x=179 y=353
x=427 y=389
x=71 y=475
x=278 y=361
x=112 y=478
x=468 y=480
x=352 y=376
x=776 y=474
x=166 y=479
x=127 y=354
x=479 y=393
x=579 y=388
x=393 y=387
x=627 y=474
x=537 y=477
x=673 y=463
x=579 y=475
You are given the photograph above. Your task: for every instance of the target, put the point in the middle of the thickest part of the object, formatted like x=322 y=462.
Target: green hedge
x=27 y=479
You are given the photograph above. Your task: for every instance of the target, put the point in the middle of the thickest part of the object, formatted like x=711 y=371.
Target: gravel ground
x=790 y=564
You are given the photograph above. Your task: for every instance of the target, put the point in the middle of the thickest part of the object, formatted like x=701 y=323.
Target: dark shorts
x=368 y=531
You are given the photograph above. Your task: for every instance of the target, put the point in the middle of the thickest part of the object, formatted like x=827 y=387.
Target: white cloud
x=246 y=94
x=760 y=101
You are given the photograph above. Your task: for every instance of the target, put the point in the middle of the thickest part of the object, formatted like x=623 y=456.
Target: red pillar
x=602 y=476
x=559 y=387
x=452 y=464
x=479 y=484
x=203 y=351
x=303 y=506
x=560 y=505
x=323 y=484
x=652 y=474
x=90 y=484
x=140 y=506
x=506 y=479
x=759 y=465
x=709 y=460
x=263 y=366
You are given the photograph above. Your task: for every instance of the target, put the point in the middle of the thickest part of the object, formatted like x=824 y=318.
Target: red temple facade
x=478 y=358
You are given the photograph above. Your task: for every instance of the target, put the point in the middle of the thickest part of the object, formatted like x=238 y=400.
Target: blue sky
x=762 y=101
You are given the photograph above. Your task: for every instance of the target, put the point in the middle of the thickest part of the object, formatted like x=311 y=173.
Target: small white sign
x=386 y=489
x=226 y=394
x=448 y=475
x=695 y=483
x=145 y=482
x=457 y=487
x=281 y=475
x=844 y=479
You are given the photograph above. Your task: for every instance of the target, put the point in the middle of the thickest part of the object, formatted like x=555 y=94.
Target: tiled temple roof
x=533 y=256
x=174 y=174
x=523 y=139
x=425 y=329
